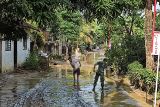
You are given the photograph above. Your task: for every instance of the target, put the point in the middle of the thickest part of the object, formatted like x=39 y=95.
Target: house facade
x=13 y=53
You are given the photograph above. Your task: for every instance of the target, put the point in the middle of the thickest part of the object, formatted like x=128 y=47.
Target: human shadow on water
x=102 y=97
x=97 y=99
x=76 y=86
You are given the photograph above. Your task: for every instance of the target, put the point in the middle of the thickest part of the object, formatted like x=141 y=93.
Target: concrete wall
x=7 y=58
x=21 y=53
x=0 y=56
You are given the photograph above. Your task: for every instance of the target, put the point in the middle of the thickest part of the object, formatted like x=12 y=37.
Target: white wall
x=7 y=58
x=21 y=53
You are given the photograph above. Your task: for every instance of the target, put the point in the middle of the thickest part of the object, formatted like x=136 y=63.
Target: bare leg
x=78 y=87
x=77 y=79
x=74 y=79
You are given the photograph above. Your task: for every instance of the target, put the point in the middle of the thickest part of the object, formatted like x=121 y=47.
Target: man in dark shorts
x=75 y=63
x=100 y=73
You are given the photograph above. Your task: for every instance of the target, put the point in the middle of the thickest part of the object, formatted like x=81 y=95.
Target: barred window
x=8 y=45
x=24 y=44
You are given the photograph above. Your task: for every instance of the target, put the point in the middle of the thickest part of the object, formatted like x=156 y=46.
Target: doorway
x=15 y=54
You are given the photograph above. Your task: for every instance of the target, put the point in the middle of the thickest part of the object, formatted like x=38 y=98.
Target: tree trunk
x=109 y=37
x=148 y=32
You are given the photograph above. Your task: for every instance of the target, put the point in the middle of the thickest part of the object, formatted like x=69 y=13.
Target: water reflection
x=14 y=91
x=99 y=98
x=77 y=86
x=96 y=99
x=64 y=73
x=102 y=97
x=17 y=85
x=83 y=88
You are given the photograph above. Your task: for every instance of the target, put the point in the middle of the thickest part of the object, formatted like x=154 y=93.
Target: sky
x=157 y=7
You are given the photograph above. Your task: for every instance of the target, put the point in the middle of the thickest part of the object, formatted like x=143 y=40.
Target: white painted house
x=13 y=53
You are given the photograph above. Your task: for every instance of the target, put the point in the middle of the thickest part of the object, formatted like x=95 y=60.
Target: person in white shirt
x=75 y=63
x=77 y=53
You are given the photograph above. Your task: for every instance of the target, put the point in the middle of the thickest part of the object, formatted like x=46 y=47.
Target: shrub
x=142 y=78
x=32 y=62
x=135 y=65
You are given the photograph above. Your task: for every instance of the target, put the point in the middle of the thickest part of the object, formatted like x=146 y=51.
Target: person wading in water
x=75 y=63
x=100 y=73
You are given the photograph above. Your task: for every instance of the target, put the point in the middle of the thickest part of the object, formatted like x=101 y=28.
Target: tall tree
x=148 y=37
x=110 y=9
x=68 y=24
x=14 y=13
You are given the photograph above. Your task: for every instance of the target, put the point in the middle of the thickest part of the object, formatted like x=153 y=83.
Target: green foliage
x=40 y=42
x=134 y=65
x=68 y=24
x=36 y=62
x=158 y=22
x=127 y=40
x=141 y=77
x=92 y=32
x=125 y=50
x=32 y=62
x=14 y=13
x=58 y=13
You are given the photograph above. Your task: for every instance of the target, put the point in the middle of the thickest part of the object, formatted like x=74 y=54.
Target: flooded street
x=55 y=89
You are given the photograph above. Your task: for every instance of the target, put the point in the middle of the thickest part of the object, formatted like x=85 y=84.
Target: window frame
x=24 y=43
x=8 y=45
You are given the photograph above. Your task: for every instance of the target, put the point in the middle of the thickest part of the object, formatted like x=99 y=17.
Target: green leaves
x=67 y=25
x=158 y=22
x=32 y=62
x=137 y=73
x=14 y=13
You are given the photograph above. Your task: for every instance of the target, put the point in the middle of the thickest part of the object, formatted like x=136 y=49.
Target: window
x=8 y=45
x=24 y=44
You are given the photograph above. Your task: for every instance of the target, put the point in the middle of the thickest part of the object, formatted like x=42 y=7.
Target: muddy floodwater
x=55 y=89
x=61 y=91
